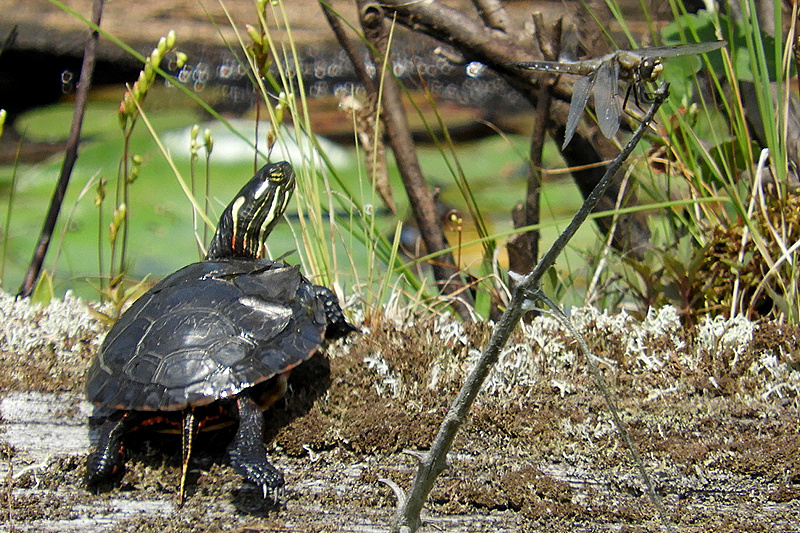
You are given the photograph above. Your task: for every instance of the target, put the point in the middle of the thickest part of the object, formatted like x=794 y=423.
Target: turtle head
x=250 y=217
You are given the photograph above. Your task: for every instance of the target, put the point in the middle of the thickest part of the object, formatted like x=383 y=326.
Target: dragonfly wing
x=580 y=95
x=606 y=103
x=680 y=49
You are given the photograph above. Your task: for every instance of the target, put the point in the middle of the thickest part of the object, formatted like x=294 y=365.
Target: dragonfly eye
x=650 y=69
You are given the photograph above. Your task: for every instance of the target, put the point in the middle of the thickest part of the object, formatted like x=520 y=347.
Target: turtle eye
x=253 y=213
x=277 y=174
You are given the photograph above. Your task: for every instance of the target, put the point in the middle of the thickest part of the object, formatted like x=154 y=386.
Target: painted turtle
x=212 y=342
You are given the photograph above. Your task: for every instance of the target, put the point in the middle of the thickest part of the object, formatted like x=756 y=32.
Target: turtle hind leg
x=107 y=462
x=247 y=453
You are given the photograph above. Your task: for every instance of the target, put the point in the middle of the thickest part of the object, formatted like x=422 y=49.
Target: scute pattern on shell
x=208 y=331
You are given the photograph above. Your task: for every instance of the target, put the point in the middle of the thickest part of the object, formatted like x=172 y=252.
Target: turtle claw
x=278 y=493
x=255 y=468
x=338 y=326
x=247 y=453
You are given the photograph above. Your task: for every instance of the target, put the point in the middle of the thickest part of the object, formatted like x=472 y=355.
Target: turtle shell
x=207 y=332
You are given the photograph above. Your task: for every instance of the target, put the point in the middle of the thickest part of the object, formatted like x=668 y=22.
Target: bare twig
x=612 y=407
x=433 y=462
x=71 y=155
x=349 y=48
x=523 y=249
x=370 y=132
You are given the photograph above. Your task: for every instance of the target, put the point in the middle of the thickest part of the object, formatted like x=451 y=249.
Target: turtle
x=212 y=343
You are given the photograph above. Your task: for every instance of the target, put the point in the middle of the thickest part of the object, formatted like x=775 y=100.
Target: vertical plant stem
x=434 y=461
x=524 y=248
x=99 y=204
x=206 y=202
x=125 y=199
x=419 y=194
x=7 y=225
x=192 y=187
x=71 y=155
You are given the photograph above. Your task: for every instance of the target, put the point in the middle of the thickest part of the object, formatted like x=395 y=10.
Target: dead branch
x=498 y=50
x=524 y=294
x=70 y=156
x=420 y=196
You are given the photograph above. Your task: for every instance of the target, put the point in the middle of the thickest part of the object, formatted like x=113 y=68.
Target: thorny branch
x=434 y=461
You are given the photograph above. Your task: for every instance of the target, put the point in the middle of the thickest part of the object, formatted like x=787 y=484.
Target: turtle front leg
x=247 y=453
x=107 y=461
x=337 y=325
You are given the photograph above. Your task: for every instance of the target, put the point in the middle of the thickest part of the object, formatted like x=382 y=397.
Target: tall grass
x=325 y=194
x=333 y=219
x=719 y=187
x=700 y=174
x=336 y=217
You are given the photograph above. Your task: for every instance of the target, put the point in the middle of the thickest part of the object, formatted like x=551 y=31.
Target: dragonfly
x=603 y=75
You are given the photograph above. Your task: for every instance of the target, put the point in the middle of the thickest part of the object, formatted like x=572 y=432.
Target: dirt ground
x=713 y=413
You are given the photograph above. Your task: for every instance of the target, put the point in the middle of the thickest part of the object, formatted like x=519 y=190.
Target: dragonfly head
x=650 y=69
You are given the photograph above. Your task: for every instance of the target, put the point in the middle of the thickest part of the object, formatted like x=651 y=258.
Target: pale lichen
x=731 y=336
x=26 y=327
x=46 y=346
x=659 y=350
